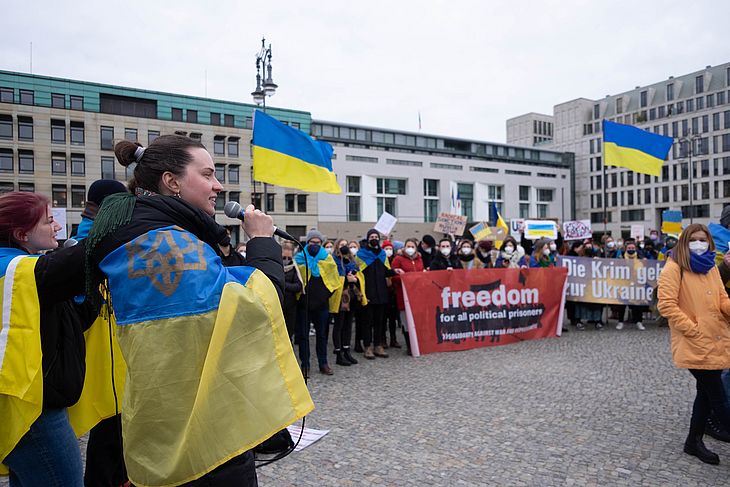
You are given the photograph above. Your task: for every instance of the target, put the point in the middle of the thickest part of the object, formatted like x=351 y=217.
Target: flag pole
x=605 y=212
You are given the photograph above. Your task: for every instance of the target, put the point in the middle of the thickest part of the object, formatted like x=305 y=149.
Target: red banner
x=458 y=310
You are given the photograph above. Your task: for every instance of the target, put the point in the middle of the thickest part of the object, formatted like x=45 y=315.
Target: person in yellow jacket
x=42 y=346
x=693 y=299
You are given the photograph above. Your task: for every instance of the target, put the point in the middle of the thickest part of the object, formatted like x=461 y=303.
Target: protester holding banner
x=510 y=254
x=693 y=298
x=611 y=250
x=374 y=265
x=542 y=254
x=466 y=255
x=486 y=254
x=409 y=261
x=426 y=249
x=649 y=252
x=589 y=312
x=445 y=259
x=635 y=312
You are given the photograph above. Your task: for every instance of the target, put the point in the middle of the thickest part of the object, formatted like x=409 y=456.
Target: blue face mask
x=313 y=249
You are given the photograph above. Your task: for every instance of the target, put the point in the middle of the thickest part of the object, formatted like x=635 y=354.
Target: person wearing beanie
x=321 y=280
x=391 y=310
x=375 y=267
x=427 y=250
x=99 y=189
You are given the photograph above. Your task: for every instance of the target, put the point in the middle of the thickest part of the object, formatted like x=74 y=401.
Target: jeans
x=320 y=318
x=342 y=331
x=47 y=455
x=710 y=397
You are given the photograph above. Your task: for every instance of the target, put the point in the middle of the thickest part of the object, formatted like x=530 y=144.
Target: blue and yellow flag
x=672 y=222
x=288 y=157
x=498 y=221
x=630 y=147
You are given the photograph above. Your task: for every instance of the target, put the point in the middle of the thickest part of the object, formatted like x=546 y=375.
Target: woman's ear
x=169 y=184
x=19 y=236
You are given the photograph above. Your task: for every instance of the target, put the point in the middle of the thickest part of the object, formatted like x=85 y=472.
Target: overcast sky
x=467 y=66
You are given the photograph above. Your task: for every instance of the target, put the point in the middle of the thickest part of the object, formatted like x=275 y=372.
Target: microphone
x=70 y=242
x=234 y=210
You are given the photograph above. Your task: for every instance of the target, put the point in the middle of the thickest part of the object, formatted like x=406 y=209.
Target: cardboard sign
x=385 y=224
x=516 y=227
x=450 y=224
x=535 y=229
x=577 y=230
x=637 y=232
x=59 y=215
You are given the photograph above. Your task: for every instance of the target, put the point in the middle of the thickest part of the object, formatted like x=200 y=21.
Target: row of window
x=26 y=162
x=688 y=211
x=541 y=127
x=679 y=193
x=58 y=130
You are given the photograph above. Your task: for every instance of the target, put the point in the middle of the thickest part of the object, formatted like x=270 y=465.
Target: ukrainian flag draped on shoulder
x=211 y=370
x=633 y=148
x=365 y=258
x=21 y=374
x=285 y=156
x=321 y=265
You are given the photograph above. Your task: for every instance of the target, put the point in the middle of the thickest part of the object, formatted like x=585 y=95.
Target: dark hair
x=509 y=239
x=445 y=239
x=167 y=153
x=20 y=211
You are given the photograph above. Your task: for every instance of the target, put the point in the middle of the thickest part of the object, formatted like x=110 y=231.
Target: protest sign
x=59 y=216
x=516 y=227
x=577 y=230
x=385 y=224
x=481 y=231
x=535 y=229
x=460 y=309
x=450 y=224
x=672 y=222
x=637 y=232
x=611 y=281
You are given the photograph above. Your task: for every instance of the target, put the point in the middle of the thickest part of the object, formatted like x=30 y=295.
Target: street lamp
x=267 y=88
x=690 y=139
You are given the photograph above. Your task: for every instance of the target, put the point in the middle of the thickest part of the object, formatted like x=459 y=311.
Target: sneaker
x=640 y=326
x=580 y=326
x=620 y=325
x=369 y=353
x=599 y=325
x=380 y=352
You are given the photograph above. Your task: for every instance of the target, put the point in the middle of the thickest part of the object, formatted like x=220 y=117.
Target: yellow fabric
x=21 y=374
x=327 y=271
x=336 y=298
x=284 y=170
x=239 y=384
x=97 y=398
x=634 y=159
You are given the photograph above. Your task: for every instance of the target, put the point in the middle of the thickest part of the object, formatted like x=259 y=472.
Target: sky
x=465 y=66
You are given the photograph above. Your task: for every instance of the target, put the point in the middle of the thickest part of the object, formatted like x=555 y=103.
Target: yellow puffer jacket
x=698 y=310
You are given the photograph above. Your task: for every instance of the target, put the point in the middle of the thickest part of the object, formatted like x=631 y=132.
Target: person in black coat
x=292 y=288
x=445 y=258
x=427 y=249
x=229 y=256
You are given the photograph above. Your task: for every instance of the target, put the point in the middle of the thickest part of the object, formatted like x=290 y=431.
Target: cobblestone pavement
x=590 y=408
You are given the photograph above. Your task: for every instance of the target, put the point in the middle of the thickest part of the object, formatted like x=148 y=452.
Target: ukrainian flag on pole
x=288 y=157
x=633 y=148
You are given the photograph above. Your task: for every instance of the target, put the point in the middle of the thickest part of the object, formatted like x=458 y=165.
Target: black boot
x=358 y=346
x=714 y=428
x=695 y=447
x=348 y=357
x=341 y=360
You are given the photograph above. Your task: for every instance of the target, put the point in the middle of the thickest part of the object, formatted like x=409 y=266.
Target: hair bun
x=124 y=150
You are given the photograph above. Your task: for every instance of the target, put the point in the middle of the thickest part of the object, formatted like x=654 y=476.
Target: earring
x=177 y=195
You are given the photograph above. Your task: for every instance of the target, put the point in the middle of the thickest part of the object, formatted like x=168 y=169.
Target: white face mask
x=553 y=246
x=611 y=245
x=427 y=250
x=353 y=250
x=410 y=251
x=509 y=249
x=389 y=252
x=329 y=250
x=243 y=254
x=446 y=251
x=698 y=248
x=546 y=252
x=466 y=250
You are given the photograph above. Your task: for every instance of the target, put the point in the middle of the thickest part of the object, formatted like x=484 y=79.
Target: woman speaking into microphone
x=211 y=371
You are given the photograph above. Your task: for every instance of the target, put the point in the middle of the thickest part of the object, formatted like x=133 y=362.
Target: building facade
x=530 y=130
x=694 y=109
x=410 y=176
x=57 y=137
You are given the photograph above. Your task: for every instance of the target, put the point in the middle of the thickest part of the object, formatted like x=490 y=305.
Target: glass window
x=107 y=138
x=107 y=168
x=720 y=98
x=353 y=208
x=391 y=186
x=494 y=193
x=130 y=134
x=25 y=161
x=524 y=210
x=690 y=105
x=248 y=123
x=430 y=187
x=25 y=128
x=256 y=199
x=6 y=187
x=58 y=131
x=6 y=95
x=58 y=163
x=192 y=116
x=289 y=203
x=386 y=204
x=302 y=203
x=233 y=146
x=6 y=126
x=177 y=115
x=353 y=184
x=233 y=174
x=220 y=201
x=77 y=133
x=234 y=196
x=77 y=102
x=58 y=100
x=152 y=135
x=670 y=92
x=27 y=97
x=218 y=145
x=6 y=160
x=26 y=187
x=59 y=196
x=78 y=165
x=546 y=195
x=699 y=84
x=228 y=120
x=524 y=193
x=220 y=172
x=78 y=195
x=466 y=195
x=643 y=99
x=271 y=202
x=430 y=210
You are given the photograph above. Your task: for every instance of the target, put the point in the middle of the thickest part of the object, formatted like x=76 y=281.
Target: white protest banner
x=535 y=229
x=637 y=232
x=577 y=230
x=450 y=224
x=59 y=215
x=516 y=227
x=385 y=224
